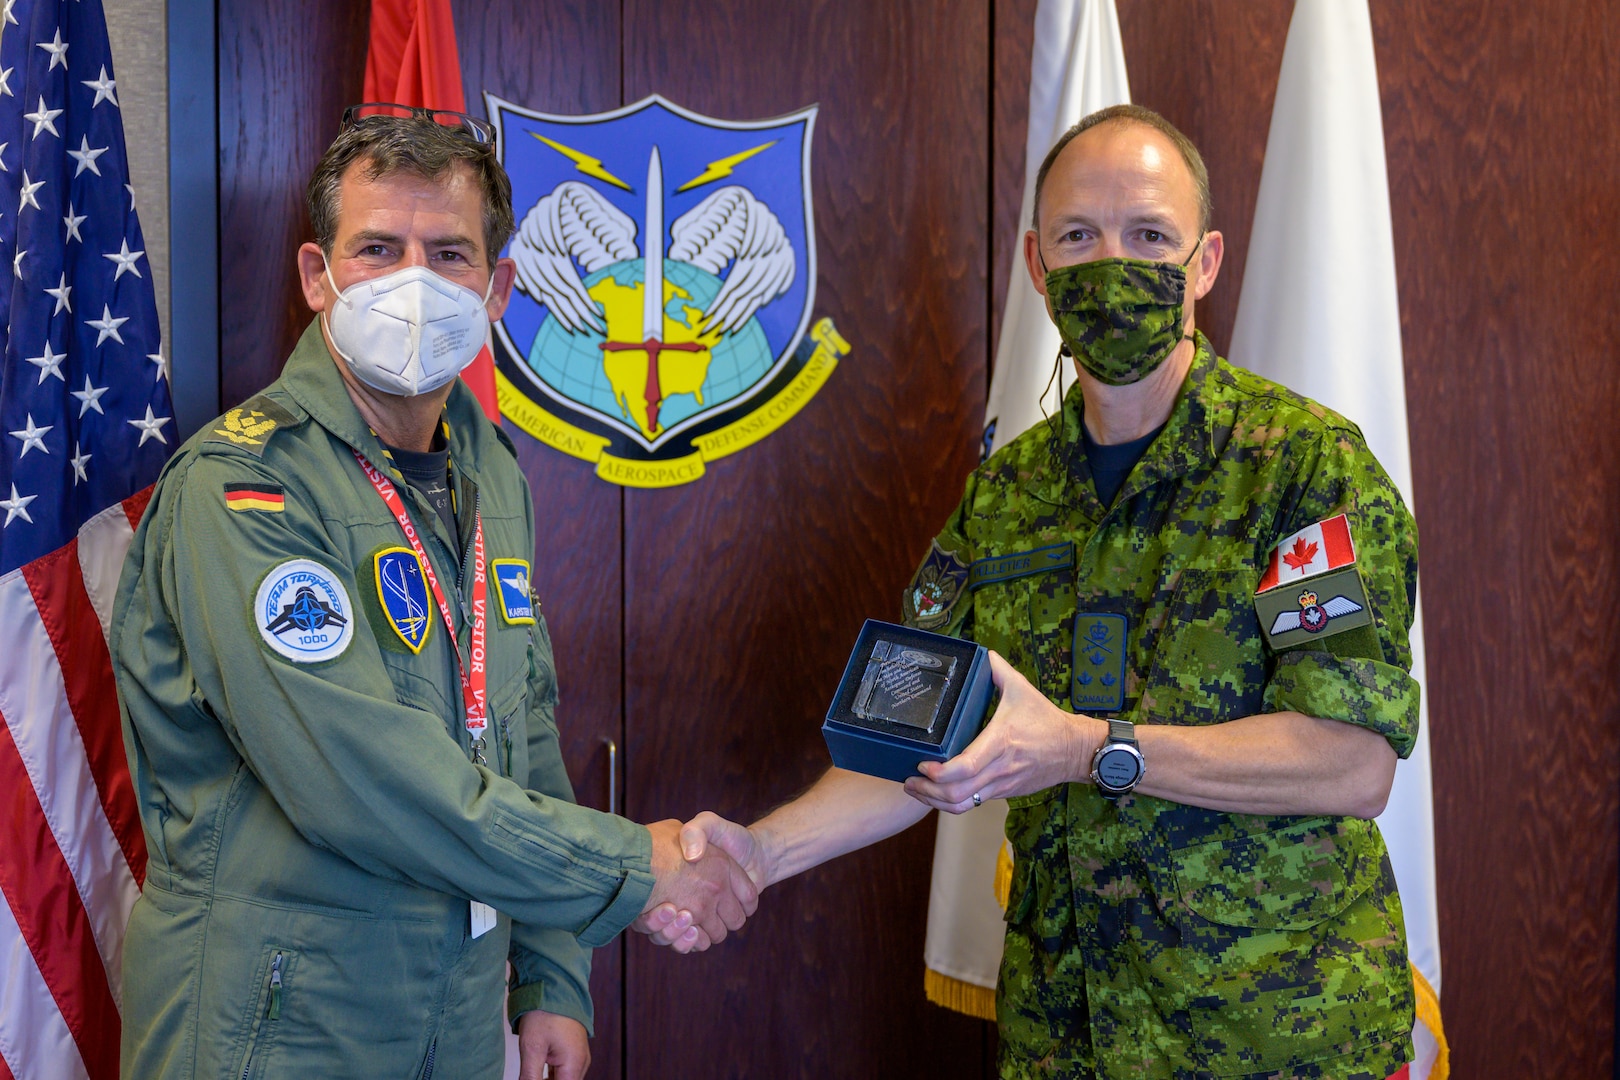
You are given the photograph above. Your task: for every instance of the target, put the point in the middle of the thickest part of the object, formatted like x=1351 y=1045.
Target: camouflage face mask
x=1119 y=317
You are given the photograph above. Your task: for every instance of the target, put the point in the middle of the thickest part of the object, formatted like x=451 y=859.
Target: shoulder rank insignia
x=271 y=498
x=251 y=424
x=1311 y=587
x=403 y=592
x=517 y=599
x=935 y=588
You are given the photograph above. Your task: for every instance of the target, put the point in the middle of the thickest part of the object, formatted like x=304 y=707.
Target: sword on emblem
x=652 y=294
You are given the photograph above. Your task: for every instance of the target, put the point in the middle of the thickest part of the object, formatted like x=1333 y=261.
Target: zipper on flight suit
x=272 y=1012
x=427 y=1067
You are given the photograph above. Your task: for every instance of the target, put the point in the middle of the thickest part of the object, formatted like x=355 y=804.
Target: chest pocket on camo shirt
x=1209 y=664
x=1290 y=950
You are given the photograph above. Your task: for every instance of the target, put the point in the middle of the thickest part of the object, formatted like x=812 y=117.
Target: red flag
x=412 y=60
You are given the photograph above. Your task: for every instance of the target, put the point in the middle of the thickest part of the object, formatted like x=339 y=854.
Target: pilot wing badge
x=1311 y=587
x=666 y=272
x=403 y=592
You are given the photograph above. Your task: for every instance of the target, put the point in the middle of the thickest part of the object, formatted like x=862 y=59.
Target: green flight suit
x=1151 y=939
x=315 y=824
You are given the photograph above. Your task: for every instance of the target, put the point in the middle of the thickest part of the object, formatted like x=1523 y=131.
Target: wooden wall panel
x=281 y=97
x=1503 y=156
x=745 y=590
x=563 y=56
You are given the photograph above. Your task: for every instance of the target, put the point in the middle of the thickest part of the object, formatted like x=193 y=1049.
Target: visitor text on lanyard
x=471 y=669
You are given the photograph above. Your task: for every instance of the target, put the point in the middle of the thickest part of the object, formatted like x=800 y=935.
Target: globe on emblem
x=617 y=381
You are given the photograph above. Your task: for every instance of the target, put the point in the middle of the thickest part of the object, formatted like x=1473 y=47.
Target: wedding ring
x=976 y=800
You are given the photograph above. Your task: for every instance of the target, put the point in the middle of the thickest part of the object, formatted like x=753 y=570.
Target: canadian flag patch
x=1326 y=596
x=1313 y=550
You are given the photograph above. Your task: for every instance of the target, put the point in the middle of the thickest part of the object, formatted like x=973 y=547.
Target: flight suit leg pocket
x=261 y=1021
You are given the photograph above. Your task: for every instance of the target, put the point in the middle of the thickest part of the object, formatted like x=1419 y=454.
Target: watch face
x=1117 y=768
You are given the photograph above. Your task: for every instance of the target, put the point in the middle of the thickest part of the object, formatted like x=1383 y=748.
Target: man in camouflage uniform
x=1222 y=565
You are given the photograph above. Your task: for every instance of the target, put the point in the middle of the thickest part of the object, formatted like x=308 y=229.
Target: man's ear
x=312 y=276
x=1032 y=261
x=1209 y=263
x=505 y=274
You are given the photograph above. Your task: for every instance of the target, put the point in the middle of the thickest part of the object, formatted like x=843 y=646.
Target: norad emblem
x=666 y=274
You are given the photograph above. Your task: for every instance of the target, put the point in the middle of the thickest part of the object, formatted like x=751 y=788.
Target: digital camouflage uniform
x=1151 y=939
x=316 y=830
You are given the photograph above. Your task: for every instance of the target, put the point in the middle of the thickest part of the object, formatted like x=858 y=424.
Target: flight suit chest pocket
x=1209 y=662
x=1023 y=606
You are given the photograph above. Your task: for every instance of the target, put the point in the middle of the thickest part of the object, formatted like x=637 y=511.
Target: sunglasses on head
x=479 y=131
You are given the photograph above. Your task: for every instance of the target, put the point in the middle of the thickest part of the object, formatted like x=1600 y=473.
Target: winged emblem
x=730 y=227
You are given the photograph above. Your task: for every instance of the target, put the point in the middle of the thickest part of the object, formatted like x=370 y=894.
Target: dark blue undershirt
x=1110 y=465
x=429 y=472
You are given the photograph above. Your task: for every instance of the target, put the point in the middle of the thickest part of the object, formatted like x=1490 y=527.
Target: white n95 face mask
x=408 y=332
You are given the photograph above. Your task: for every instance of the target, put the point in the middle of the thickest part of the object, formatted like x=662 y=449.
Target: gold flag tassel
x=970 y=998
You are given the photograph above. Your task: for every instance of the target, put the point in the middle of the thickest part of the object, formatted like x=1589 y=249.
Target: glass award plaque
x=907 y=696
x=903 y=685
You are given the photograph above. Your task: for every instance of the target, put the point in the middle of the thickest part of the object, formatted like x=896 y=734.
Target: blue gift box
x=875 y=746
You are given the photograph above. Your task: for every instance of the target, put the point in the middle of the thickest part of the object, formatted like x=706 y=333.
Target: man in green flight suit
x=338 y=692
x=1197 y=587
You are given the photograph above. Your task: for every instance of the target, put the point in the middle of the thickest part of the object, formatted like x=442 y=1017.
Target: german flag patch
x=271 y=498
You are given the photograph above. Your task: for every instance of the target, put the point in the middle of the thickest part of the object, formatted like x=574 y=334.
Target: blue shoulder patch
x=512 y=582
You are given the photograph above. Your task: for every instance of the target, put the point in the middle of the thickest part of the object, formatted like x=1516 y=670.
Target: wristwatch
x=1117 y=767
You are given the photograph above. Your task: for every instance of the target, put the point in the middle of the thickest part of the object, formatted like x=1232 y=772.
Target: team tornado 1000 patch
x=302 y=612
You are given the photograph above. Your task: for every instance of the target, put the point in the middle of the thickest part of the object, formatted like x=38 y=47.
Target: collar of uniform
x=1185 y=443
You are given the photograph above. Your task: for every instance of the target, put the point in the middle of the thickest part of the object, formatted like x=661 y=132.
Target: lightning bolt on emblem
x=586 y=164
x=715 y=170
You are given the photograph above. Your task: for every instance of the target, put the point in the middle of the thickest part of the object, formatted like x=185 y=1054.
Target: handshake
x=707 y=876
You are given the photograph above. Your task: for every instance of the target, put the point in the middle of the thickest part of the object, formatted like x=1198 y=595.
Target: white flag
x=1319 y=314
x=1078 y=67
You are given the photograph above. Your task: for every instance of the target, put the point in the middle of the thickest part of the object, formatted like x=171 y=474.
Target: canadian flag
x=1313 y=550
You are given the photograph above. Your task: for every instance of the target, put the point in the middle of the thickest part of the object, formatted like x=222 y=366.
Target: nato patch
x=934 y=589
x=403 y=592
x=512 y=582
x=302 y=612
x=1000 y=568
x=1099 y=662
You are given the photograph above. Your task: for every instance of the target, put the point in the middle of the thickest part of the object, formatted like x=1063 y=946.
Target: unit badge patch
x=302 y=612
x=402 y=588
x=934 y=589
x=517 y=600
x=1311 y=587
x=1099 y=662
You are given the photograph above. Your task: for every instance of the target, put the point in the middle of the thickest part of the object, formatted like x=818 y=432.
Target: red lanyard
x=472 y=675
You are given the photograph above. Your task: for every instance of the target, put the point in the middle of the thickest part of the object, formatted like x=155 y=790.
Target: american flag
x=85 y=426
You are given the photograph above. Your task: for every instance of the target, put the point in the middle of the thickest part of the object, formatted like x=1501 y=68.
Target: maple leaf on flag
x=1301 y=556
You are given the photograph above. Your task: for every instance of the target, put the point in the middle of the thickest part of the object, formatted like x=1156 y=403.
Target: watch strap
x=1122 y=731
